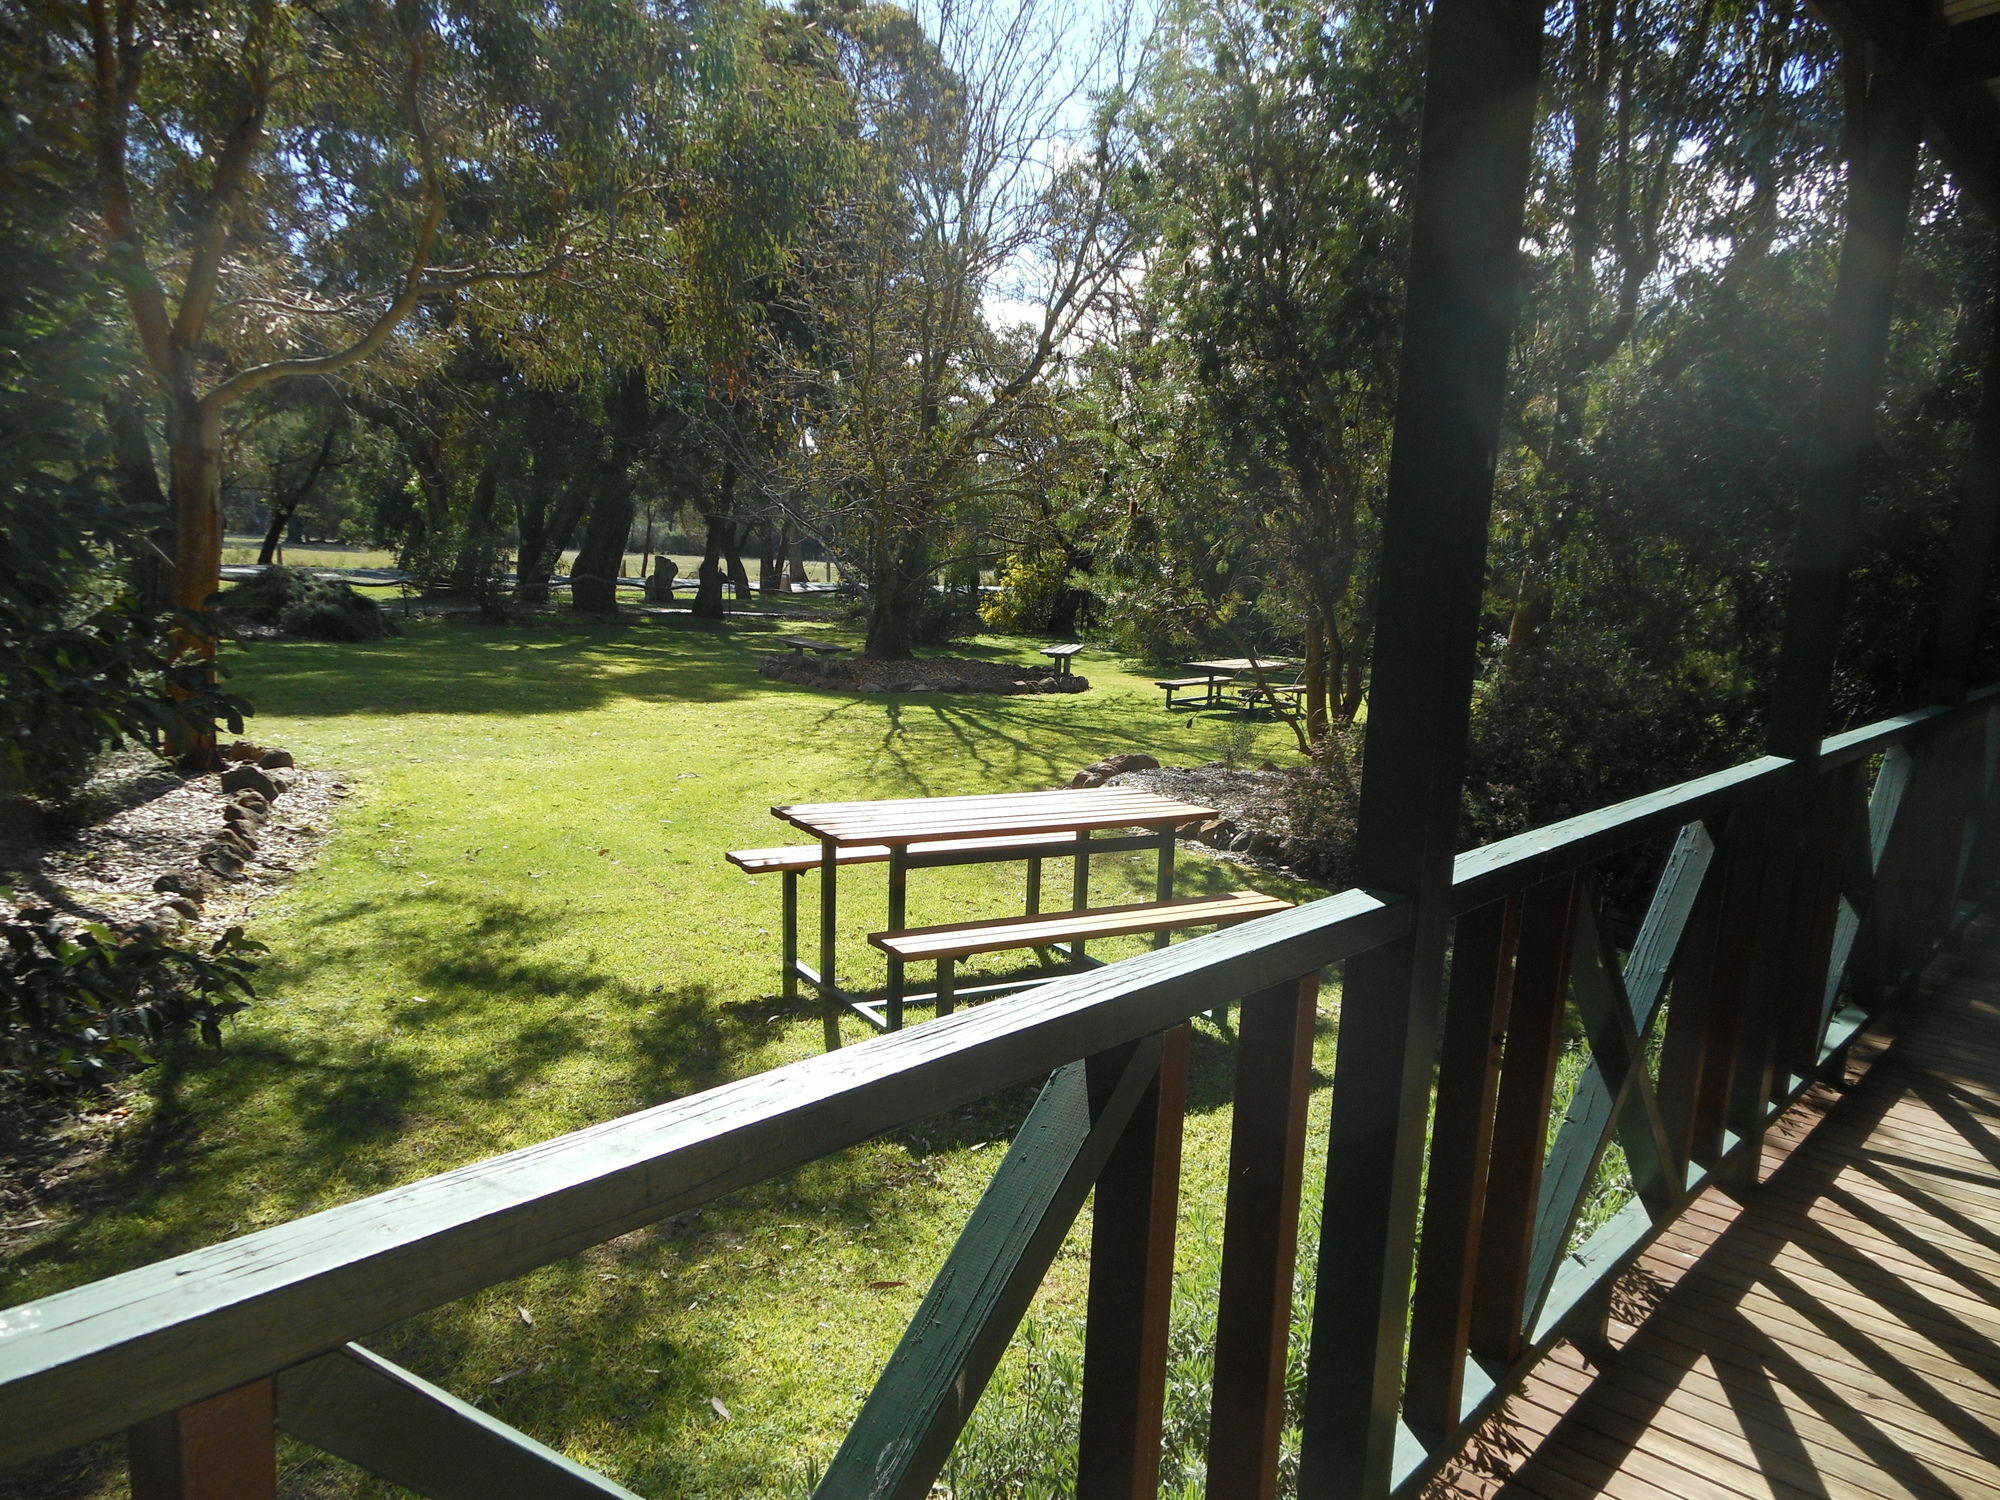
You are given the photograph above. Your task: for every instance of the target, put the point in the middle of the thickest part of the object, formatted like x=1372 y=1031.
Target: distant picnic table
x=1061 y=656
x=1220 y=684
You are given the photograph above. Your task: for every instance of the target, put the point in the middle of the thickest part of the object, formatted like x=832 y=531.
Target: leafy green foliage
x=75 y=999
x=297 y=601
x=68 y=692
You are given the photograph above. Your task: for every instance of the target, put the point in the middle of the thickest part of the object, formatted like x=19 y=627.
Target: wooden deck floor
x=1838 y=1337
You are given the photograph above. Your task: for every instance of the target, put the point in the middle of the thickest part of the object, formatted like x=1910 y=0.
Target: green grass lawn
x=523 y=926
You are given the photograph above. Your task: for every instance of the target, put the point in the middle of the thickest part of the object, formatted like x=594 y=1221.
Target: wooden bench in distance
x=948 y=944
x=802 y=644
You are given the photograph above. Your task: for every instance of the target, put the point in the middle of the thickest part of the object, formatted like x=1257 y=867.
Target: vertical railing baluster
x=1267 y=1147
x=1702 y=1047
x=1521 y=1117
x=1461 y=1148
x=1684 y=1042
x=1802 y=1017
x=224 y=1448
x=1131 y=1289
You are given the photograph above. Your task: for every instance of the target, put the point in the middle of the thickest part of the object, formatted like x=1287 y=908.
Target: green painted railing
x=1796 y=902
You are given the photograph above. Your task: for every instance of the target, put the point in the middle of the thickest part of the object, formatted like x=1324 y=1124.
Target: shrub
x=301 y=603
x=74 y=999
x=1320 y=806
x=71 y=691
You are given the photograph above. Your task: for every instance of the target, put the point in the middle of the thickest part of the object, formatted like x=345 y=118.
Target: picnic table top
x=1234 y=664
x=1061 y=650
x=807 y=643
x=909 y=820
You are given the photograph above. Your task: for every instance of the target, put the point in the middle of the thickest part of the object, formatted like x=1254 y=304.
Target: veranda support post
x=1479 y=113
x=1878 y=204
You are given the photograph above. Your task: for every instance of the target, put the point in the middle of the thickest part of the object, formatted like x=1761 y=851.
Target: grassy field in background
x=241 y=549
x=524 y=925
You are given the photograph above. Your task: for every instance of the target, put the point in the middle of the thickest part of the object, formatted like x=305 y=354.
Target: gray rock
x=249 y=779
x=222 y=861
x=273 y=760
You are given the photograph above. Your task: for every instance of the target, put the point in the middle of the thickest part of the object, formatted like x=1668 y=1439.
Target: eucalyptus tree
x=1278 y=143
x=986 y=166
x=1683 y=142
x=287 y=190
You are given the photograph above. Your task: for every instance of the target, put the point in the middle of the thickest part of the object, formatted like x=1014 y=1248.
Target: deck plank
x=1837 y=1334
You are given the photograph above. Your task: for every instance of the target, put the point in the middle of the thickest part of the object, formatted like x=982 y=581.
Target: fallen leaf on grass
x=720 y=1410
x=503 y=1379
x=526 y=1316
x=883 y=1286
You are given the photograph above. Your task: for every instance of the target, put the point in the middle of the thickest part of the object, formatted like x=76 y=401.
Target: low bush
x=1321 y=802
x=69 y=691
x=297 y=602
x=74 y=1000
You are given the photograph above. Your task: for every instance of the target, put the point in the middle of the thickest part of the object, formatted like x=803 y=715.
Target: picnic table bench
x=801 y=644
x=954 y=941
x=1208 y=686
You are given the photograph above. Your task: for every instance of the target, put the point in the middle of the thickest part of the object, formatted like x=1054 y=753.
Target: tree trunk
x=898 y=594
x=770 y=561
x=708 y=598
x=739 y=576
x=286 y=499
x=471 y=573
x=600 y=560
x=544 y=538
x=721 y=540
x=139 y=488
x=194 y=469
x=1316 y=715
x=795 y=555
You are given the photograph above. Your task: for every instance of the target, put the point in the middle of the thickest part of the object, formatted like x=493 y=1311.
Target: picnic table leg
x=947 y=973
x=1034 y=885
x=1163 y=882
x=1080 y=885
x=899 y=887
x=829 y=992
x=790 y=916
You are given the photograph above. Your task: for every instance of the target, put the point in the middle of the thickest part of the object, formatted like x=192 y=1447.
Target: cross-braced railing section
x=1794 y=902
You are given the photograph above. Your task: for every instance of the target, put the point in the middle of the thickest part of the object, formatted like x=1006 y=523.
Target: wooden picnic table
x=899 y=823
x=801 y=644
x=1225 y=670
x=1062 y=657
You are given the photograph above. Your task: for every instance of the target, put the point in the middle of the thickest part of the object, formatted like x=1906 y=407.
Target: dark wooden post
x=1267 y=1151
x=1461 y=1150
x=1857 y=338
x=224 y=1448
x=1479 y=114
x=1878 y=201
x=1131 y=1289
x=1974 y=530
x=1521 y=1117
